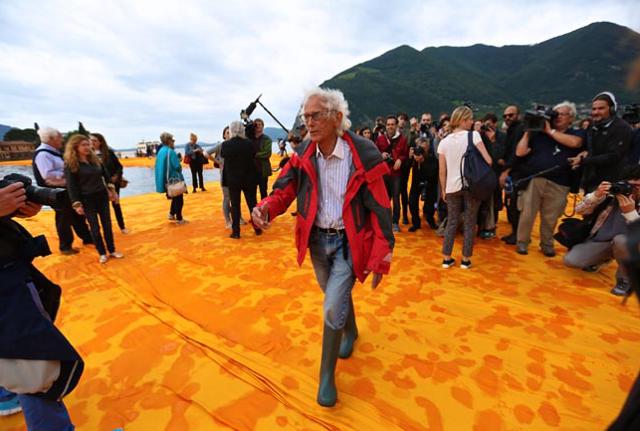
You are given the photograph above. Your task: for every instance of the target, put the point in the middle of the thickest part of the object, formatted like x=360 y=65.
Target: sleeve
x=475 y=136
x=376 y=201
x=72 y=186
x=106 y=175
x=116 y=163
x=44 y=164
x=402 y=152
x=620 y=141
x=187 y=150
x=284 y=188
x=174 y=165
x=265 y=148
x=589 y=204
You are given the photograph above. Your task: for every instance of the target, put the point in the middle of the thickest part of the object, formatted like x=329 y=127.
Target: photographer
x=511 y=168
x=547 y=193
x=609 y=209
x=424 y=183
x=393 y=146
x=36 y=361
x=263 y=148
x=608 y=142
x=494 y=141
x=48 y=171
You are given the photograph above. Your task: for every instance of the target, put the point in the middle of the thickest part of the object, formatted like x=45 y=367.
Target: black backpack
x=477 y=175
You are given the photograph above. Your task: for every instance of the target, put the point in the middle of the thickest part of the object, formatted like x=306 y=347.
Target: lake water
x=141 y=180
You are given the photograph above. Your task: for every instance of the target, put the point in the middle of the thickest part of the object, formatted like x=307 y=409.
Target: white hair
x=165 y=137
x=236 y=129
x=334 y=101
x=47 y=134
x=573 y=111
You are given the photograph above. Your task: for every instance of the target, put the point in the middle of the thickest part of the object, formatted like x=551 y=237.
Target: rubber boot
x=350 y=333
x=327 y=392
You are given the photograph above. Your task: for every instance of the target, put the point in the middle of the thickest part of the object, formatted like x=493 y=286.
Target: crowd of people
x=354 y=191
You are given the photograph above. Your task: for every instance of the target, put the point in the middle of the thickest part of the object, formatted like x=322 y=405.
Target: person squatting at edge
x=343 y=217
x=38 y=365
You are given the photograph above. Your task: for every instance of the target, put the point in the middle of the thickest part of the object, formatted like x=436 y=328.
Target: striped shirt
x=333 y=173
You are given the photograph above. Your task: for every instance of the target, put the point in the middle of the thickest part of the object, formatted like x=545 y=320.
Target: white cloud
x=134 y=69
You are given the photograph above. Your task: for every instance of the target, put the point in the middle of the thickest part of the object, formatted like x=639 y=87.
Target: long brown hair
x=71 y=153
x=104 y=148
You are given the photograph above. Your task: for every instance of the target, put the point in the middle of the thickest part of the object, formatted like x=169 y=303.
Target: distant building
x=16 y=150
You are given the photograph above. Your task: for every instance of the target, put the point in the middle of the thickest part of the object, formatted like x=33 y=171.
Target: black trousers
x=96 y=206
x=404 y=184
x=513 y=215
x=66 y=219
x=428 y=208
x=249 y=191
x=262 y=184
x=176 y=206
x=117 y=210
x=196 y=175
x=392 y=182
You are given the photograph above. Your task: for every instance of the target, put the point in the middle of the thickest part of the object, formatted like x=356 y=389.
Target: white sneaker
x=117 y=255
x=103 y=258
x=171 y=217
x=125 y=231
x=242 y=221
x=227 y=225
x=183 y=221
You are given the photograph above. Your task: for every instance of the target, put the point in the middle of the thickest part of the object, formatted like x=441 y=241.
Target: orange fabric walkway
x=195 y=331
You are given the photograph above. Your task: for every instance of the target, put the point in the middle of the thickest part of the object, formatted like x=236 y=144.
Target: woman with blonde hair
x=90 y=188
x=450 y=152
x=114 y=168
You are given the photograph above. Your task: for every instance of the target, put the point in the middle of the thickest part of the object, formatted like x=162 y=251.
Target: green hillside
x=574 y=66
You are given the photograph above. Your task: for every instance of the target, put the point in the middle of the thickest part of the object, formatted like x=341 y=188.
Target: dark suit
x=239 y=175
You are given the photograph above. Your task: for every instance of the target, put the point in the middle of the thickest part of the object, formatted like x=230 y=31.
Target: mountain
x=575 y=66
x=3 y=129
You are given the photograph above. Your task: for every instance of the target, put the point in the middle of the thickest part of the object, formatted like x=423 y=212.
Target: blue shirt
x=546 y=153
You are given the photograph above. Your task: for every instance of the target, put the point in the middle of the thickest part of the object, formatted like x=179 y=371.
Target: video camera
x=38 y=195
x=534 y=119
x=632 y=113
x=249 y=126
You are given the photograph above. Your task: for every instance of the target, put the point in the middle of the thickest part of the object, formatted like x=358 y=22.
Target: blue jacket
x=175 y=169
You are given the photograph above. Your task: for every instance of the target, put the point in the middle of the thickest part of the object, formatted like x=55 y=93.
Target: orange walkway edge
x=195 y=331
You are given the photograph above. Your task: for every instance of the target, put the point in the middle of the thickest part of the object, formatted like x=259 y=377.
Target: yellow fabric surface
x=196 y=331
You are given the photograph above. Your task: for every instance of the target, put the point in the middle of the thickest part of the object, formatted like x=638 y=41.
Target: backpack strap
x=465 y=185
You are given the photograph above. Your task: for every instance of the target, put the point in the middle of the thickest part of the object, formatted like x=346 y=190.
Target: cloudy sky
x=134 y=68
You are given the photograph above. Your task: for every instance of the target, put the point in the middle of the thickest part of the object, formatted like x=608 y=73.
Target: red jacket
x=366 y=212
x=396 y=146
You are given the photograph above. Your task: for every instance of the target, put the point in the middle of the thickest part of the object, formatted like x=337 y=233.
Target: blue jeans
x=41 y=414
x=334 y=272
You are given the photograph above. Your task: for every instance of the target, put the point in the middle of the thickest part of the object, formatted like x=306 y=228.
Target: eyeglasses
x=509 y=115
x=315 y=116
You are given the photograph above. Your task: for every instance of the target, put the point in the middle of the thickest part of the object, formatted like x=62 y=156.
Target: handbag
x=573 y=231
x=175 y=186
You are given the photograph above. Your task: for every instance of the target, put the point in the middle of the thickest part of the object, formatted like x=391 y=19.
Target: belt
x=329 y=231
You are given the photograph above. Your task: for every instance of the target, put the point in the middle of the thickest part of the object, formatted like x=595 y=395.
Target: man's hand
x=260 y=216
x=375 y=280
x=29 y=210
x=626 y=203
x=577 y=160
x=12 y=198
x=385 y=155
x=503 y=178
x=397 y=165
x=602 y=189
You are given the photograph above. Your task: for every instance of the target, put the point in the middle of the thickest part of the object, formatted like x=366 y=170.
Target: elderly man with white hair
x=547 y=153
x=343 y=218
x=239 y=173
x=48 y=170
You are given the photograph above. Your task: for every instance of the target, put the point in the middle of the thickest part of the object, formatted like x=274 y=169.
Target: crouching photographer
x=607 y=211
x=38 y=366
x=424 y=184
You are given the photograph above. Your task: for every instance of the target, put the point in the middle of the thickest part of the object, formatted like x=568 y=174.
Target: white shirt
x=49 y=166
x=333 y=176
x=453 y=148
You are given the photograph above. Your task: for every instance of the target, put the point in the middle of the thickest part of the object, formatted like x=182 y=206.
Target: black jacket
x=239 y=166
x=608 y=145
x=514 y=134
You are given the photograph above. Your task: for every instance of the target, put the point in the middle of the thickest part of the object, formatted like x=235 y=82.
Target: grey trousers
x=595 y=253
x=455 y=202
x=544 y=197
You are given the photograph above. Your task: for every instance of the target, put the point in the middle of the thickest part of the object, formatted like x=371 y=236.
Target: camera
x=38 y=195
x=418 y=151
x=621 y=188
x=632 y=113
x=424 y=128
x=534 y=119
